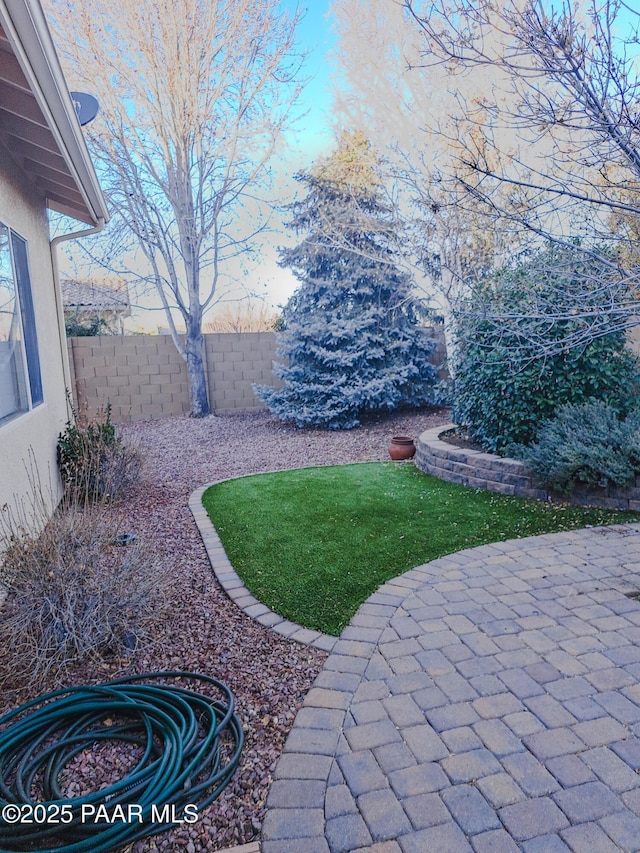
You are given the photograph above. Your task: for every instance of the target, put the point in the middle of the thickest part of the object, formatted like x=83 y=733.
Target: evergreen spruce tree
x=352 y=340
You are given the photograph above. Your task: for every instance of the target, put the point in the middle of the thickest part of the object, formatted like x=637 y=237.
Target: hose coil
x=187 y=747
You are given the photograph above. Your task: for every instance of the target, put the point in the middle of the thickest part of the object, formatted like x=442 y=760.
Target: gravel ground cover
x=206 y=632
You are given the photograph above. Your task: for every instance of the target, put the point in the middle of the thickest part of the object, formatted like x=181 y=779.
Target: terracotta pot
x=401 y=447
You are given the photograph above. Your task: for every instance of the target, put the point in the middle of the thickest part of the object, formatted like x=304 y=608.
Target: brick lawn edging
x=233 y=585
x=507 y=476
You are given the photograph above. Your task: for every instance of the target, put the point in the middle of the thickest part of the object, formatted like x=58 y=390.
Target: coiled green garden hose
x=190 y=745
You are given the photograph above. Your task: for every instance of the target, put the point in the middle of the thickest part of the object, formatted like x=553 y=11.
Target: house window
x=20 y=378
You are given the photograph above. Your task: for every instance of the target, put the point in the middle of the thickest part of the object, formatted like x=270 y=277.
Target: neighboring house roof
x=95 y=296
x=38 y=121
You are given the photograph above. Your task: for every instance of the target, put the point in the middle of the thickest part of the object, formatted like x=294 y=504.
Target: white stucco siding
x=28 y=441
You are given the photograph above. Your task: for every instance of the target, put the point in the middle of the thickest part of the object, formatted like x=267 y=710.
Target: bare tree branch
x=575 y=86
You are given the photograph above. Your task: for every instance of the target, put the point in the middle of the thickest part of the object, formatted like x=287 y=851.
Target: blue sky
x=312 y=135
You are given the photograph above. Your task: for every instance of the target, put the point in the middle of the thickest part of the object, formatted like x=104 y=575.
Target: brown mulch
x=460 y=439
x=205 y=631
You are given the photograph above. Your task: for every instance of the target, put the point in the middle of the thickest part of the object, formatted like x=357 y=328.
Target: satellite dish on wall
x=86 y=107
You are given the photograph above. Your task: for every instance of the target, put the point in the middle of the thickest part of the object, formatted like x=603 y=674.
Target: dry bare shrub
x=95 y=463
x=244 y=317
x=72 y=593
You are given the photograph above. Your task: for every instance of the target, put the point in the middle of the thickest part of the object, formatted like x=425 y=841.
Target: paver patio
x=487 y=701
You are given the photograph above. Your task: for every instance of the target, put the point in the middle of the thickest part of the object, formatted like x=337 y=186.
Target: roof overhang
x=38 y=121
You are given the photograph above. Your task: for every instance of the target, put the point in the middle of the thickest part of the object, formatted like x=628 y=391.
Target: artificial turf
x=314 y=543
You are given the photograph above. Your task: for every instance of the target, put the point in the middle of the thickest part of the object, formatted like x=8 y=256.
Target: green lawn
x=314 y=543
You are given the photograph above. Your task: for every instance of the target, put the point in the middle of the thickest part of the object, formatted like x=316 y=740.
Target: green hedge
x=503 y=387
x=586 y=444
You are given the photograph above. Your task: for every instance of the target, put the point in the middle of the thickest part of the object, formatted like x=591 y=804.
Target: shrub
x=94 y=462
x=72 y=593
x=504 y=387
x=587 y=444
x=76 y=328
x=352 y=342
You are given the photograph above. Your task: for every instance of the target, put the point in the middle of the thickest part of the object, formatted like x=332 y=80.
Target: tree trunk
x=195 y=372
x=449 y=301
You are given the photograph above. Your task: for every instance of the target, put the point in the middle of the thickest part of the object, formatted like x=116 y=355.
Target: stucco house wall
x=31 y=437
x=44 y=165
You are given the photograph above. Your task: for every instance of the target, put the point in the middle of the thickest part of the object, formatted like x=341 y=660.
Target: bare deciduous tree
x=244 y=316
x=511 y=119
x=413 y=115
x=193 y=99
x=567 y=89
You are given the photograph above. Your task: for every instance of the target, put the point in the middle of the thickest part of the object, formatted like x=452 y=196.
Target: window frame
x=28 y=344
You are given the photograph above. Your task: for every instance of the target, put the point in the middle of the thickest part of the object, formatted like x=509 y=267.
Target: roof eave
x=26 y=27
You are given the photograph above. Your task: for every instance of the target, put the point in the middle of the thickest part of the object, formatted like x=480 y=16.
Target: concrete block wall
x=507 y=476
x=143 y=376
x=439 y=355
x=235 y=361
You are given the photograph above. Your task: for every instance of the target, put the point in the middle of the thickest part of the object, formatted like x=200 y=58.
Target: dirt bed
x=206 y=632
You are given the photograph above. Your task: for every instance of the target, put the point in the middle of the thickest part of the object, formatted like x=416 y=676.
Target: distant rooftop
x=95 y=295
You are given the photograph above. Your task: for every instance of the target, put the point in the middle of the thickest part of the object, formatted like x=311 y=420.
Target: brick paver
x=487 y=701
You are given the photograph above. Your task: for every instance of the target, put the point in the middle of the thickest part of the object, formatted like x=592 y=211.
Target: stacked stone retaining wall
x=507 y=476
